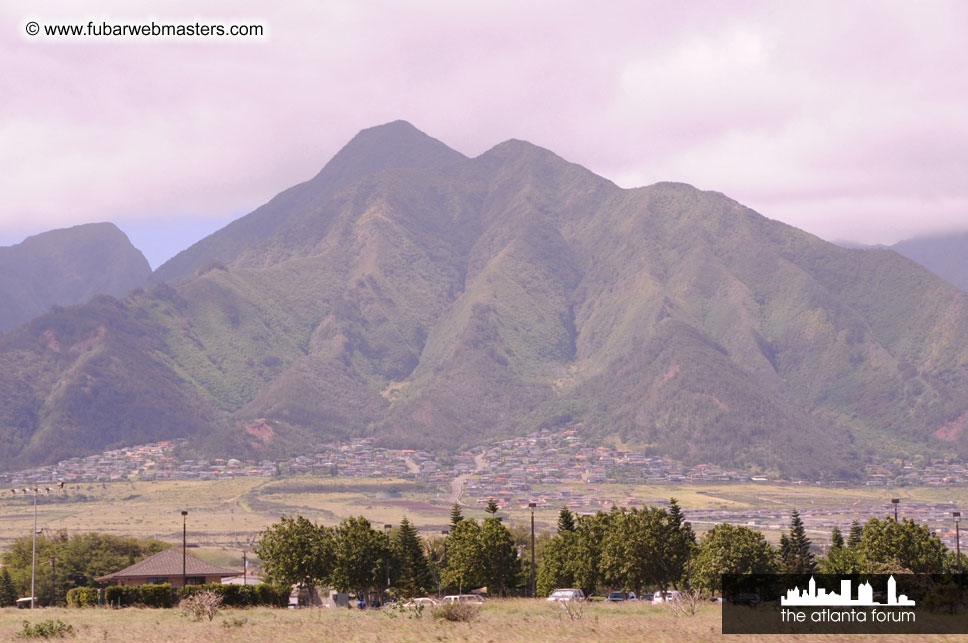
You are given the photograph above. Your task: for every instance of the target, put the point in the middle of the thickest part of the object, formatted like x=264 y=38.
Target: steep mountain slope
x=944 y=255
x=437 y=301
x=393 y=145
x=65 y=267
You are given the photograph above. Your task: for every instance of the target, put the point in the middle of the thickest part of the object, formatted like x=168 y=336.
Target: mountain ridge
x=431 y=300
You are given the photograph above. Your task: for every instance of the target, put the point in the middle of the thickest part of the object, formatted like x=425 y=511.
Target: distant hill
x=64 y=267
x=944 y=255
x=430 y=300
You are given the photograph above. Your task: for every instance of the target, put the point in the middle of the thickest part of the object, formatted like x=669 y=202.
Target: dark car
x=618 y=597
x=749 y=600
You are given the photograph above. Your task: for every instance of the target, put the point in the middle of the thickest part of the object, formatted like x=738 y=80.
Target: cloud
x=799 y=110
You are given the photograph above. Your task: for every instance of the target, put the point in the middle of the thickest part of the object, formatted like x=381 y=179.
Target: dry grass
x=524 y=620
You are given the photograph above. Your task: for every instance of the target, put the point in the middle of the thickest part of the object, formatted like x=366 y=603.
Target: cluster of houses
x=155 y=461
x=506 y=470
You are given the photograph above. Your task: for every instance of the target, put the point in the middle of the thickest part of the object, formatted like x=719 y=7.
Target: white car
x=666 y=597
x=463 y=598
x=567 y=595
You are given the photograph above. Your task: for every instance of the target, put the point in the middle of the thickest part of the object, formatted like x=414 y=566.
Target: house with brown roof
x=166 y=567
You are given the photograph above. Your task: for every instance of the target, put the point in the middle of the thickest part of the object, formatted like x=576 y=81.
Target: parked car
x=426 y=601
x=463 y=598
x=748 y=599
x=568 y=594
x=618 y=597
x=665 y=597
x=647 y=597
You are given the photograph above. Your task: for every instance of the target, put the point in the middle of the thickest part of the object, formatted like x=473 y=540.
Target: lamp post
x=895 y=502
x=443 y=561
x=36 y=491
x=387 y=528
x=688 y=526
x=957 y=516
x=532 y=505
x=184 y=543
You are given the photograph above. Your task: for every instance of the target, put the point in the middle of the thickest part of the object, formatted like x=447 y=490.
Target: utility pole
x=53 y=581
x=36 y=491
x=534 y=590
x=957 y=517
x=184 y=543
x=245 y=566
x=895 y=502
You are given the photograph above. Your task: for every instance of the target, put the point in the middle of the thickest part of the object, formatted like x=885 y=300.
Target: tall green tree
x=8 y=594
x=678 y=547
x=836 y=539
x=887 y=545
x=465 y=557
x=491 y=507
x=591 y=532
x=855 y=534
x=502 y=566
x=295 y=551
x=731 y=549
x=362 y=557
x=558 y=562
x=795 y=554
x=566 y=520
x=414 y=577
x=455 y=515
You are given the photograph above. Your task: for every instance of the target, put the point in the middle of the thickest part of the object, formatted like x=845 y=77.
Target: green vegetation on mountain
x=65 y=267
x=434 y=301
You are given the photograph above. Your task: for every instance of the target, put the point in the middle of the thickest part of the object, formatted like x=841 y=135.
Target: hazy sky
x=846 y=119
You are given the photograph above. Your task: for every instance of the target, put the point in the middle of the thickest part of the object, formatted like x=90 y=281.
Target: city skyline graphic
x=814 y=597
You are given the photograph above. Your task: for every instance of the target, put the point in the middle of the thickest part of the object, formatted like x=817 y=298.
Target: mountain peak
x=396 y=144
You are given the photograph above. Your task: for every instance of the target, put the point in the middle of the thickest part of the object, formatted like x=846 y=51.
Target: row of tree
x=355 y=557
x=67 y=561
x=627 y=549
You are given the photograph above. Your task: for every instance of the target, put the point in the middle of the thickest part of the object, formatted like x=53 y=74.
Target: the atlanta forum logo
x=812 y=597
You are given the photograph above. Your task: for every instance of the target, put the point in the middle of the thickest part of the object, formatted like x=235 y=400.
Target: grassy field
x=501 y=620
x=227 y=515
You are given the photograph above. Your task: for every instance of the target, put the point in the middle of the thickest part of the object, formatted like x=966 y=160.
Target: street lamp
x=895 y=502
x=387 y=528
x=184 y=543
x=957 y=516
x=532 y=505
x=688 y=526
x=443 y=561
x=36 y=491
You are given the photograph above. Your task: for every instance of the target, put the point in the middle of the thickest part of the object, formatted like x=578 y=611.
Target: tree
x=491 y=507
x=854 y=535
x=731 y=549
x=362 y=557
x=294 y=551
x=414 y=577
x=558 y=562
x=502 y=566
x=795 y=555
x=679 y=545
x=566 y=520
x=836 y=539
x=455 y=515
x=80 y=559
x=591 y=532
x=8 y=594
x=465 y=559
x=888 y=545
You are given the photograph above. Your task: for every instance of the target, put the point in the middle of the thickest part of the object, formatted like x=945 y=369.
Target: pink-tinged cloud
x=847 y=119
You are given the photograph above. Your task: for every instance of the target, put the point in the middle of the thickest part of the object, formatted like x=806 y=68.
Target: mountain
x=435 y=301
x=64 y=267
x=944 y=255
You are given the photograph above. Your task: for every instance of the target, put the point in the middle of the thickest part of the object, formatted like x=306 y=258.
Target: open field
x=225 y=515
x=533 y=621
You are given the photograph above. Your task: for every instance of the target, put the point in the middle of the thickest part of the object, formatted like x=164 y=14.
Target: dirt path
x=412 y=466
x=457 y=484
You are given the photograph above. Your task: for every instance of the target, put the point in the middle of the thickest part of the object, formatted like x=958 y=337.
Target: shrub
x=457 y=611
x=47 y=629
x=199 y=604
x=82 y=597
x=121 y=596
x=241 y=595
x=155 y=595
